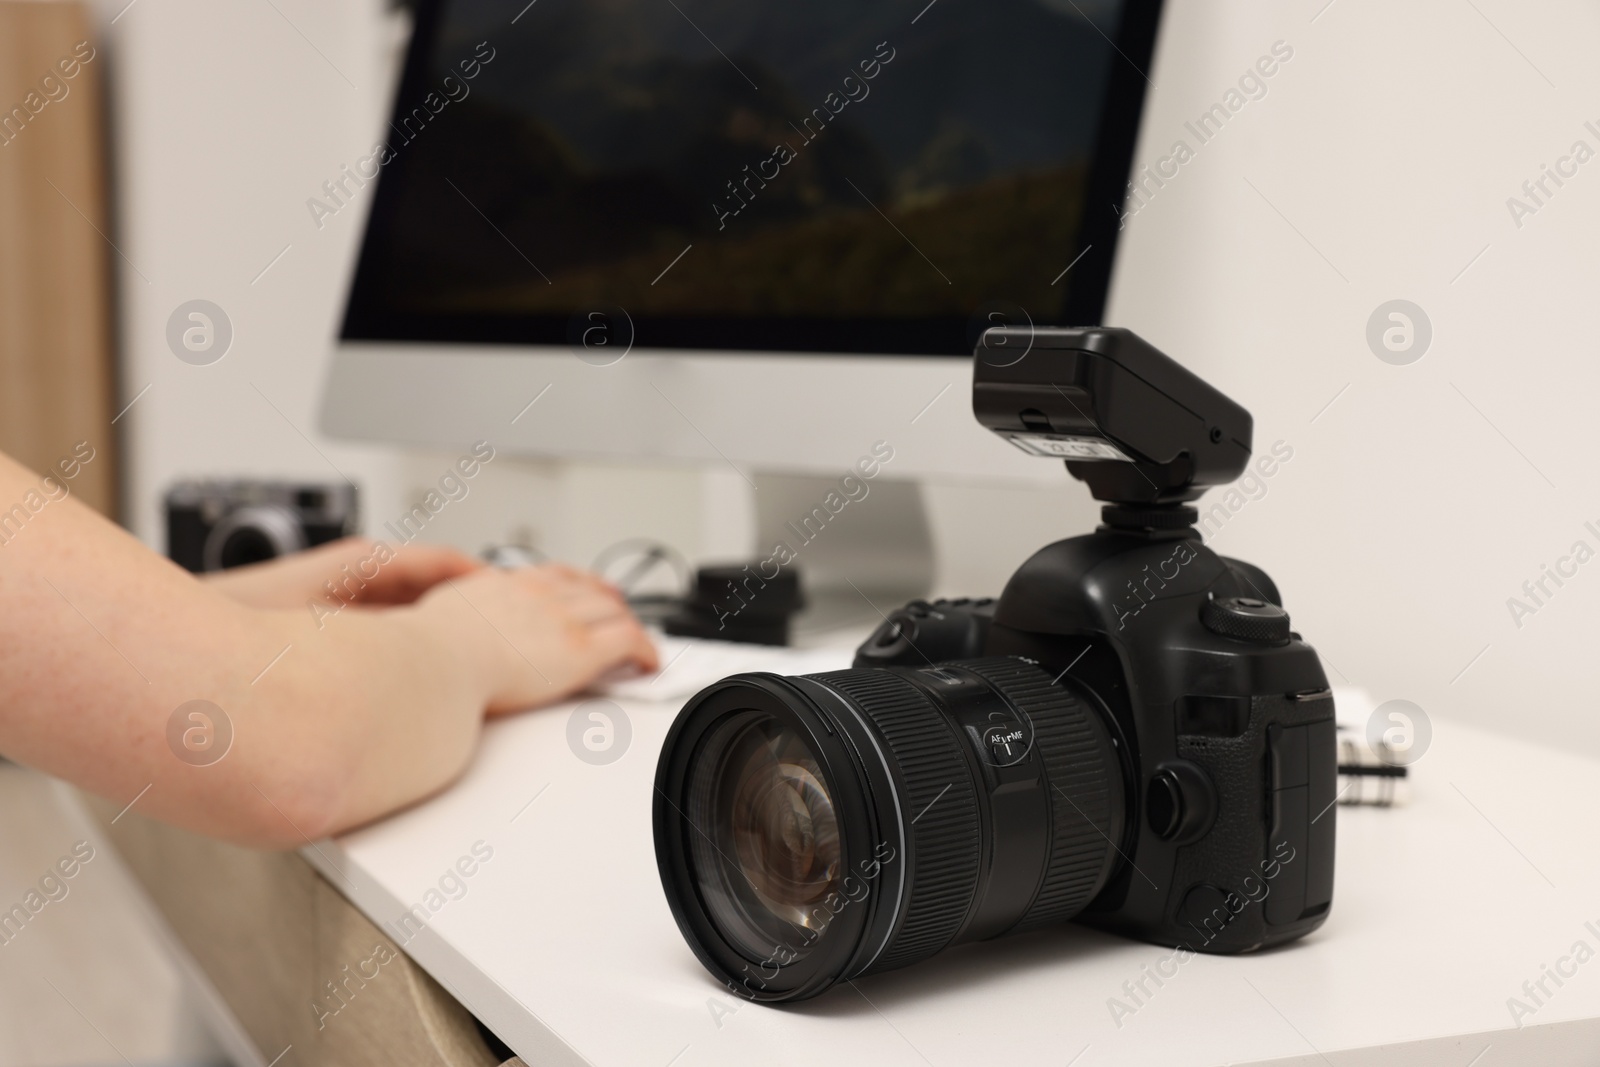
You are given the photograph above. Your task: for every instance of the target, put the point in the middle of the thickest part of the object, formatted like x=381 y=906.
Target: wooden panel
x=56 y=365
x=295 y=961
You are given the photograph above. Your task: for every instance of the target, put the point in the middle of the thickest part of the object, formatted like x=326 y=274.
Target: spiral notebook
x=1371 y=774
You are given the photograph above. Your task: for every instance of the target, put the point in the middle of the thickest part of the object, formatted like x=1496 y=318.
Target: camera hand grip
x=1302 y=761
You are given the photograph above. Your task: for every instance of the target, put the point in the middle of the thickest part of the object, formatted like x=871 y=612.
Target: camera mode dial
x=1246 y=618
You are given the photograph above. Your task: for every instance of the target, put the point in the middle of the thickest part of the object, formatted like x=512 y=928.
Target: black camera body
x=1220 y=717
x=214 y=525
x=1131 y=735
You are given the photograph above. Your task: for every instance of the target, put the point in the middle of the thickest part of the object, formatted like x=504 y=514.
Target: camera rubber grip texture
x=1087 y=806
x=940 y=809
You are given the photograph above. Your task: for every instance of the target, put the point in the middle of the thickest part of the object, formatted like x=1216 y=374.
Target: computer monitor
x=758 y=235
x=748 y=232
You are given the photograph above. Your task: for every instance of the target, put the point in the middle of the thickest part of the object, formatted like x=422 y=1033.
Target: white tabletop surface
x=562 y=943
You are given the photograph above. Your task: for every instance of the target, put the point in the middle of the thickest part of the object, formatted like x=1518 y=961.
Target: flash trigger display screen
x=1064 y=446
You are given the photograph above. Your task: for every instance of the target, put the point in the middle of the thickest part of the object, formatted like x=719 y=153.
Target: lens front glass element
x=247 y=544
x=768 y=853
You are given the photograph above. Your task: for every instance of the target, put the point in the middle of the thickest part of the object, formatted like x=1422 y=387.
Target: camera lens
x=247 y=545
x=813 y=829
x=252 y=534
x=771 y=853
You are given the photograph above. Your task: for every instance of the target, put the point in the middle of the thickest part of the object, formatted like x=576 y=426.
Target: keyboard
x=688 y=665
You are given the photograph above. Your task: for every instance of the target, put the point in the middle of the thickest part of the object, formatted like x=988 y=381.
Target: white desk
x=563 y=944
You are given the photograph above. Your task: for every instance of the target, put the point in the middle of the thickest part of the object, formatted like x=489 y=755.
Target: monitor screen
x=833 y=176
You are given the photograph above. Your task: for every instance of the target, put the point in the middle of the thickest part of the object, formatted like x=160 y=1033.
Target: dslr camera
x=1131 y=736
x=214 y=525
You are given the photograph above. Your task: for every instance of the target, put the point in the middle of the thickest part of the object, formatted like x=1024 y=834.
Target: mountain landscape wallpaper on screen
x=823 y=160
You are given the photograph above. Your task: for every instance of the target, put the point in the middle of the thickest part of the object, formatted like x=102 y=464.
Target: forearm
x=254 y=718
x=372 y=711
x=354 y=570
x=102 y=641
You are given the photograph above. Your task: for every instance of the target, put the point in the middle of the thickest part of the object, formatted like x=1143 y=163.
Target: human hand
x=364 y=572
x=539 y=634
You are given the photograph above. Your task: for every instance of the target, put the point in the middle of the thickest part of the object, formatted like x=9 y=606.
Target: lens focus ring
x=1086 y=801
x=940 y=805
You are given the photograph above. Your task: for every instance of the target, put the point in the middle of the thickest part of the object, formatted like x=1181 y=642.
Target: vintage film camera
x=214 y=525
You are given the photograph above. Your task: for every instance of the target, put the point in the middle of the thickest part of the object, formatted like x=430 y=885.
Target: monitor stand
x=858 y=559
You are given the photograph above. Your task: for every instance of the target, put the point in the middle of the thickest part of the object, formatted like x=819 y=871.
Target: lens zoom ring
x=940 y=803
x=1086 y=803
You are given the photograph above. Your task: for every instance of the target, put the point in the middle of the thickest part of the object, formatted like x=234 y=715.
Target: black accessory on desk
x=1131 y=736
x=214 y=525
x=738 y=603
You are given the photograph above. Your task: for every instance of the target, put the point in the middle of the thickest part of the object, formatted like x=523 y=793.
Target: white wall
x=226 y=119
x=1381 y=161
x=1376 y=167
